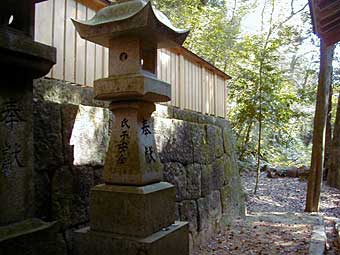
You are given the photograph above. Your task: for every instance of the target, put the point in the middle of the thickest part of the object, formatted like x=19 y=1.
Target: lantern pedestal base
x=132 y=210
x=169 y=241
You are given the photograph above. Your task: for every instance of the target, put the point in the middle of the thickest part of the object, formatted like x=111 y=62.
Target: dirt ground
x=248 y=237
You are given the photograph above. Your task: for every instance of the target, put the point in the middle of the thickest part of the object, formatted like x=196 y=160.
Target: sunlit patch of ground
x=245 y=237
x=262 y=237
x=286 y=195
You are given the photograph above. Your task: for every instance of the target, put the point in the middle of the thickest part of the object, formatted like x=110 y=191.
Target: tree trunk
x=334 y=169
x=328 y=139
x=315 y=175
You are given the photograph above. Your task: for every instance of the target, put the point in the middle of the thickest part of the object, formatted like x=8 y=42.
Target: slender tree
x=315 y=176
x=333 y=178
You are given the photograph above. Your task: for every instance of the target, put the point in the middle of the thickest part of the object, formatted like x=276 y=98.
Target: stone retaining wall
x=71 y=135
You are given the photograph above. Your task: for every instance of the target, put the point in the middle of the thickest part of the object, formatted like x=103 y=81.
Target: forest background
x=269 y=49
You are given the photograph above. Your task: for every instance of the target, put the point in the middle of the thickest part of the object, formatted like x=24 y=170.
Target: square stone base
x=132 y=210
x=173 y=240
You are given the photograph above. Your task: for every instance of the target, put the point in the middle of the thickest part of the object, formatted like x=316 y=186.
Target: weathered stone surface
x=185 y=115
x=203 y=211
x=70 y=191
x=48 y=149
x=163 y=111
x=131 y=210
x=215 y=142
x=132 y=86
x=33 y=237
x=65 y=203
x=16 y=154
x=42 y=195
x=202 y=153
x=64 y=93
x=218 y=173
x=215 y=207
x=90 y=131
x=169 y=241
x=68 y=116
x=233 y=200
x=132 y=157
x=176 y=145
x=210 y=211
x=228 y=141
x=193 y=181
x=175 y=174
x=206 y=119
x=207 y=184
x=186 y=153
x=189 y=212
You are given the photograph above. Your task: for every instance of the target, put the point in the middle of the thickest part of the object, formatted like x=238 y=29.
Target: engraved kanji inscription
x=149 y=154
x=10 y=156
x=11 y=113
x=146 y=128
x=123 y=145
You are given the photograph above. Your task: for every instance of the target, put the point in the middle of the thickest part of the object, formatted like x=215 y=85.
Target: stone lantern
x=133 y=212
x=21 y=60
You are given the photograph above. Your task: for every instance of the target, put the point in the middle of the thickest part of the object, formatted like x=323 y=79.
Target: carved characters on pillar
x=149 y=151
x=11 y=113
x=10 y=156
x=149 y=154
x=123 y=145
x=11 y=116
x=146 y=128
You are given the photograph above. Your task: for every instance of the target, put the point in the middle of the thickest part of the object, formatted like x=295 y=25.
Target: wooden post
x=315 y=176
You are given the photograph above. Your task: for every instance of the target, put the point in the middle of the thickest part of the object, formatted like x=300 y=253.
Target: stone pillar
x=133 y=212
x=21 y=60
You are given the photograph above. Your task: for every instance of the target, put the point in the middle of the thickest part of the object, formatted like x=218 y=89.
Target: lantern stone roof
x=132 y=18
x=326 y=19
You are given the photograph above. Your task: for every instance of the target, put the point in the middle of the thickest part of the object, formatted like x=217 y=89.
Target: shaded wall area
x=71 y=135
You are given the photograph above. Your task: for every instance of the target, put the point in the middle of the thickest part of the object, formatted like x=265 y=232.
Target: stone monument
x=21 y=61
x=133 y=212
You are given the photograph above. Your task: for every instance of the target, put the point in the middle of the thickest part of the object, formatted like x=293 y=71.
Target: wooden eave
x=326 y=19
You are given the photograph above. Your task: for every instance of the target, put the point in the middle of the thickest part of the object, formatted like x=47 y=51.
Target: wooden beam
x=326 y=18
x=95 y=5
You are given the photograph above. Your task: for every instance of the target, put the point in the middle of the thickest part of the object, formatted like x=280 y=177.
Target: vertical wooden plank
x=196 y=99
x=58 y=38
x=211 y=94
x=181 y=81
x=158 y=64
x=187 y=84
x=200 y=98
x=70 y=42
x=177 y=80
x=194 y=87
x=173 y=79
x=80 y=49
x=43 y=24
x=219 y=96
x=226 y=99
x=204 y=94
x=99 y=62
x=90 y=57
x=106 y=62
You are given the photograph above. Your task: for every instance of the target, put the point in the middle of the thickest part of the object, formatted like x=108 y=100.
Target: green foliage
x=272 y=60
